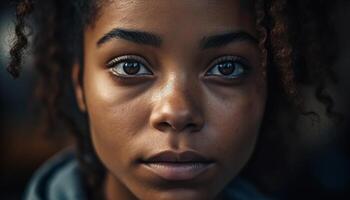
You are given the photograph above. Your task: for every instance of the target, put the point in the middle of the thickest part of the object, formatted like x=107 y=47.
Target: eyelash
x=127 y=60
x=238 y=63
x=137 y=61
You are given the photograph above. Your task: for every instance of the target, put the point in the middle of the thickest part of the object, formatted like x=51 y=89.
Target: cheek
x=114 y=119
x=237 y=122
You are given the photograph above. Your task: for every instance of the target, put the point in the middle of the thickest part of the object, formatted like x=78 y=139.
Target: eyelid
x=125 y=58
x=224 y=58
x=229 y=58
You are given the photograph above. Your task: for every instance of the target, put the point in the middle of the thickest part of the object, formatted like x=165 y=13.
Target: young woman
x=175 y=95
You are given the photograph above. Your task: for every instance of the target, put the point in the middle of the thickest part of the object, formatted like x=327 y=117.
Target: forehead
x=174 y=17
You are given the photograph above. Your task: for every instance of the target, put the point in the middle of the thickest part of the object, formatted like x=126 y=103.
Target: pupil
x=226 y=68
x=131 y=68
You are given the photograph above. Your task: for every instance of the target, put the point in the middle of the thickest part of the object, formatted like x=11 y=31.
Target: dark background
x=324 y=174
x=22 y=147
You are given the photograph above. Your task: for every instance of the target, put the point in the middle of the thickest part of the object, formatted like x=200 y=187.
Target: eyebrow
x=138 y=37
x=220 y=40
x=146 y=38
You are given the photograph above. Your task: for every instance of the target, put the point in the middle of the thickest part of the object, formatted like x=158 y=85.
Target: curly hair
x=294 y=38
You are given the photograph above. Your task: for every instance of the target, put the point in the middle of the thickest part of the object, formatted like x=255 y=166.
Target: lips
x=174 y=166
x=173 y=157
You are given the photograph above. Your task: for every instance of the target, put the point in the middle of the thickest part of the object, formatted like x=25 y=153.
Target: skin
x=179 y=107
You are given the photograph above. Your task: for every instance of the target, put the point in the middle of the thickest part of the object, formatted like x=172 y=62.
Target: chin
x=180 y=194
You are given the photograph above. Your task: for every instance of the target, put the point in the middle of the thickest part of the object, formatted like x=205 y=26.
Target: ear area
x=78 y=87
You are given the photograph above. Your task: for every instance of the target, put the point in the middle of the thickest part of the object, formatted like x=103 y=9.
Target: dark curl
x=294 y=39
x=23 y=9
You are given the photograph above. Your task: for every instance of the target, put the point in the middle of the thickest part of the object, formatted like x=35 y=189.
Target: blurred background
x=22 y=147
x=324 y=174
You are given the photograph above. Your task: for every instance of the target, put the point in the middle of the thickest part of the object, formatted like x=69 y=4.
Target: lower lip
x=178 y=171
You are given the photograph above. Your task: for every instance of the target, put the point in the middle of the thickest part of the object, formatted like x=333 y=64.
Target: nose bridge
x=176 y=106
x=178 y=96
x=176 y=86
x=176 y=89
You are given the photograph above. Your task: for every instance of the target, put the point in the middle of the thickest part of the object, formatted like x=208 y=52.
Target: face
x=175 y=95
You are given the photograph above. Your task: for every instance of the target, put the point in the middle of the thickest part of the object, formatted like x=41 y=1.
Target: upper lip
x=172 y=156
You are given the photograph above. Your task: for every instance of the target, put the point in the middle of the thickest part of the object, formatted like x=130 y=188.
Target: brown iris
x=226 y=68
x=131 y=68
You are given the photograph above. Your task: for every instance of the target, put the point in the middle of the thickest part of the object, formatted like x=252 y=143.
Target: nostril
x=164 y=125
x=192 y=127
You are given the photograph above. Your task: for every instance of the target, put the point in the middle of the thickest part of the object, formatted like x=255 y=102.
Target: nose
x=177 y=109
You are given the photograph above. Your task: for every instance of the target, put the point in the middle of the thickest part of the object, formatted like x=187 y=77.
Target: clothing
x=60 y=179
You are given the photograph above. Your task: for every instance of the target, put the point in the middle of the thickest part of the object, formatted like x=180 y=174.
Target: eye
x=230 y=67
x=129 y=66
